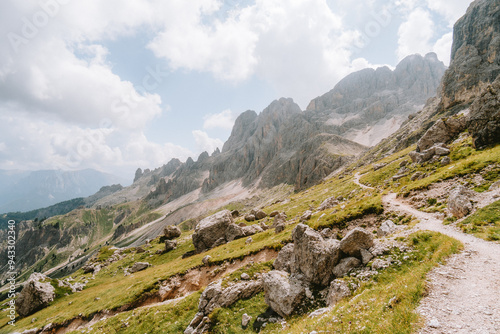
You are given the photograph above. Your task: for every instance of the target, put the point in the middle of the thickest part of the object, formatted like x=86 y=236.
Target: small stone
x=249 y=240
x=306 y=216
x=206 y=260
x=245 y=276
x=434 y=323
x=245 y=320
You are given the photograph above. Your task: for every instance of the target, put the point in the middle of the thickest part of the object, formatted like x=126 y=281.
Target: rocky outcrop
x=284 y=293
x=36 y=294
x=328 y=204
x=355 y=241
x=484 y=119
x=459 y=203
x=475 y=57
x=314 y=257
x=285 y=258
x=369 y=105
x=443 y=131
x=216 y=296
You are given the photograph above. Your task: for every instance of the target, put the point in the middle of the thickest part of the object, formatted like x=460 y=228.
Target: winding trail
x=464 y=294
x=357 y=182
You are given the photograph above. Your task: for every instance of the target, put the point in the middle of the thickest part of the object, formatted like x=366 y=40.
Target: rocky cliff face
x=474 y=66
x=281 y=145
x=370 y=104
x=475 y=53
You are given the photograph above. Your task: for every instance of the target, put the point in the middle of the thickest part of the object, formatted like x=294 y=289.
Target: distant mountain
x=369 y=105
x=25 y=191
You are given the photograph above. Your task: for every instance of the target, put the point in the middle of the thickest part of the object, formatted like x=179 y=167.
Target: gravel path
x=464 y=294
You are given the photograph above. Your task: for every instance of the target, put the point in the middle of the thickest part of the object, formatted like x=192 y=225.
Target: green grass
x=484 y=223
x=169 y=318
x=385 y=305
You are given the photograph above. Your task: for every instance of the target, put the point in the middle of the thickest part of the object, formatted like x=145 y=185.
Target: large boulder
x=459 y=203
x=138 y=266
x=210 y=230
x=36 y=294
x=314 y=257
x=234 y=232
x=258 y=214
x=285 y=259
x=171 y=232
x=484 y=120
x=252 y=229
x=443 y=131
x=284 y=293
x=216 y=296
x=355 y=241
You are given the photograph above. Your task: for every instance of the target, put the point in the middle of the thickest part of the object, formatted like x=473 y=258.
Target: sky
x=115 y=85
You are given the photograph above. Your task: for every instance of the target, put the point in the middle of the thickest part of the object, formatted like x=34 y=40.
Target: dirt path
x=356 y=181
x=464 y=294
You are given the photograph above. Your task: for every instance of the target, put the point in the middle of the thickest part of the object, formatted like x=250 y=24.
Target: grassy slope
x=110 y=286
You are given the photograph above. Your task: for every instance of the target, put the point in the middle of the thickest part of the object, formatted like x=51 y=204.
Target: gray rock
x=206 y=260
x=171 y=232
x=234 y=232
x=306 y=216
x=345 y=265
x=215 y=296
x=283 y=293
x=279 y=228
x=35 y=295
x=170 y=245
x=445 y=161
x=366 y=256
x=249 y=240
x=328 y=204
x=273 y=214
x=484 y=119
x=245 y=276
x=443 y=131
x=251 y=230
x=387 y=227
x=356 y=240
x=279 y=218
x=210 y=230
x=250 y=218
x=138 y=266
x=459 y=203
x=475 y=59
x=258 y=214
x=326 y=233
x=416 y=176
x=284 y=259
x=263 y=226
x=434 y=323
x=338 y=290
x=245 y=320
x=314 y=257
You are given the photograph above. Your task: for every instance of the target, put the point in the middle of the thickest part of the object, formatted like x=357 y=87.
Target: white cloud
x=205 y=143
x=414 y=35
x=442 y=48
x=33 y=142
x=450 y=10
x=222 y=120
x=299 y=47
